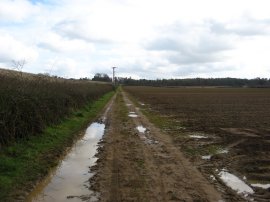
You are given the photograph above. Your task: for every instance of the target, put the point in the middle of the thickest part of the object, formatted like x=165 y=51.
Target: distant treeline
x=29 y=103
x=232 y=82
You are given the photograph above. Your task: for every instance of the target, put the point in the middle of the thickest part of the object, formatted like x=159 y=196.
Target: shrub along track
x=22 y=164
x=136 y=166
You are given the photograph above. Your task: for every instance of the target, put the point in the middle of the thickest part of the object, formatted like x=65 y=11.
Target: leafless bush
x=29 y=104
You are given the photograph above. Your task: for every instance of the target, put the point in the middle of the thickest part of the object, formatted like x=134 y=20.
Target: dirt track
x=137 y=166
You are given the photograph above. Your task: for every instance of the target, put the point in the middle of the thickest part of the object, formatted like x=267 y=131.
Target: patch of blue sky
x=42 y=1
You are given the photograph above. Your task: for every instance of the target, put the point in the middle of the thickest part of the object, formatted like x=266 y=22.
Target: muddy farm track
x=137 y=162
x=147 y=154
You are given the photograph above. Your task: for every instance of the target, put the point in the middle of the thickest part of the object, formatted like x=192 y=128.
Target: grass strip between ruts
x=22 y=164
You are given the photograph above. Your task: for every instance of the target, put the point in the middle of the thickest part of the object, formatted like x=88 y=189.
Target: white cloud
x=54 y=42
x=246 y=26
x=12 y=49
x=81 y=30
x=16 y=10
x=145 y=39
x=66 y=66
x=194 y=44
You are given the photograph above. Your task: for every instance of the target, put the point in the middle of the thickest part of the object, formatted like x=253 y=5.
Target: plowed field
x=218 y=129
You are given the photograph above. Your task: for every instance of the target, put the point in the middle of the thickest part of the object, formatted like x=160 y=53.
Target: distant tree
x=101 y=77
x=232 y=82
x=19 y=65
x=85 y=78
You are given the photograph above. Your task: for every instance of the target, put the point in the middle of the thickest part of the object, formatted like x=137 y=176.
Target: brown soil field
x=216 y=128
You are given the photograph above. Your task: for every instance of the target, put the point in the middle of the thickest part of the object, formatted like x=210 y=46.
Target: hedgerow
x=28 y=104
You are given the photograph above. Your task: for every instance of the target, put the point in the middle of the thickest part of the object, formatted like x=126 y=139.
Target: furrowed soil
x=219 y=130
x=138 y=162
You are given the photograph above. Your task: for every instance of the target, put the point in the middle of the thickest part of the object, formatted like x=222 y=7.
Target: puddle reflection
x=141 y=129
x=72 y=175
x=198 y=136
x=132 y=114
x=263 y=186
x=235 y=183
x=207 y=157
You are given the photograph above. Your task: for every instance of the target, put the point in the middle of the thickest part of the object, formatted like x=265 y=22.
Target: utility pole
x=113 y=80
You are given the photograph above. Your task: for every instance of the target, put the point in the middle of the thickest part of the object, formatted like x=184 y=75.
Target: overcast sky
x=143 y=38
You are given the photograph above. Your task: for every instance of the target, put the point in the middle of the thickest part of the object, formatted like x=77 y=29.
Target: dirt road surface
x=137 y=162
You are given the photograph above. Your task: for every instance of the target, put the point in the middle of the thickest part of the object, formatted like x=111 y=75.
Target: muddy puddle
x=220 y=151
x=198 y=136
x=263 y=186
x=70 y=180
x=142 y=134
x=235 y=183
x=132 y=115
x=141 y=129
x=207 y=157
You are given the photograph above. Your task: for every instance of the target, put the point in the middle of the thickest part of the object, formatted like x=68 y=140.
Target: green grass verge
x=24 y=163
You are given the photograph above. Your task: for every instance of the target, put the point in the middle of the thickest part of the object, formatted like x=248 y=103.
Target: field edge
x=24 y=164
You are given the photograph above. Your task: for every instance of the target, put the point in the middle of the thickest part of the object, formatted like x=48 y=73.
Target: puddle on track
x=235 y=183
x=263 y=186
x=142 y=135
x=207 y=157
x=132 y=114
x=221 y=151
x=198 y=136
x=71 y=177
x=141 y=129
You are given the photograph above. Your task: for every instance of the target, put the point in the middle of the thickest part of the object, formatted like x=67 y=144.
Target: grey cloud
x=245 y=27
x=5 y=59
x=73 y=29
x=192 y=58
x=164 y=44
x=210 y=43
x=48 y=46
x=206 y=44
x=190 y=70
x=158 y=70
x=145 y=69
x=192 y=49
x=205 y=50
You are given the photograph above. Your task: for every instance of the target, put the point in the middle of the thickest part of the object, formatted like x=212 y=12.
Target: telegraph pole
x=113 y=80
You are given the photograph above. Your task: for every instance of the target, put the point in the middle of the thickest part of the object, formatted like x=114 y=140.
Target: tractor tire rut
x=144 y=166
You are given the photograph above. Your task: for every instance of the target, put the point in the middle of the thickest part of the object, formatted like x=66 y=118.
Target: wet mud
x=137 y=162
x=244 y=156
x=218 y=130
